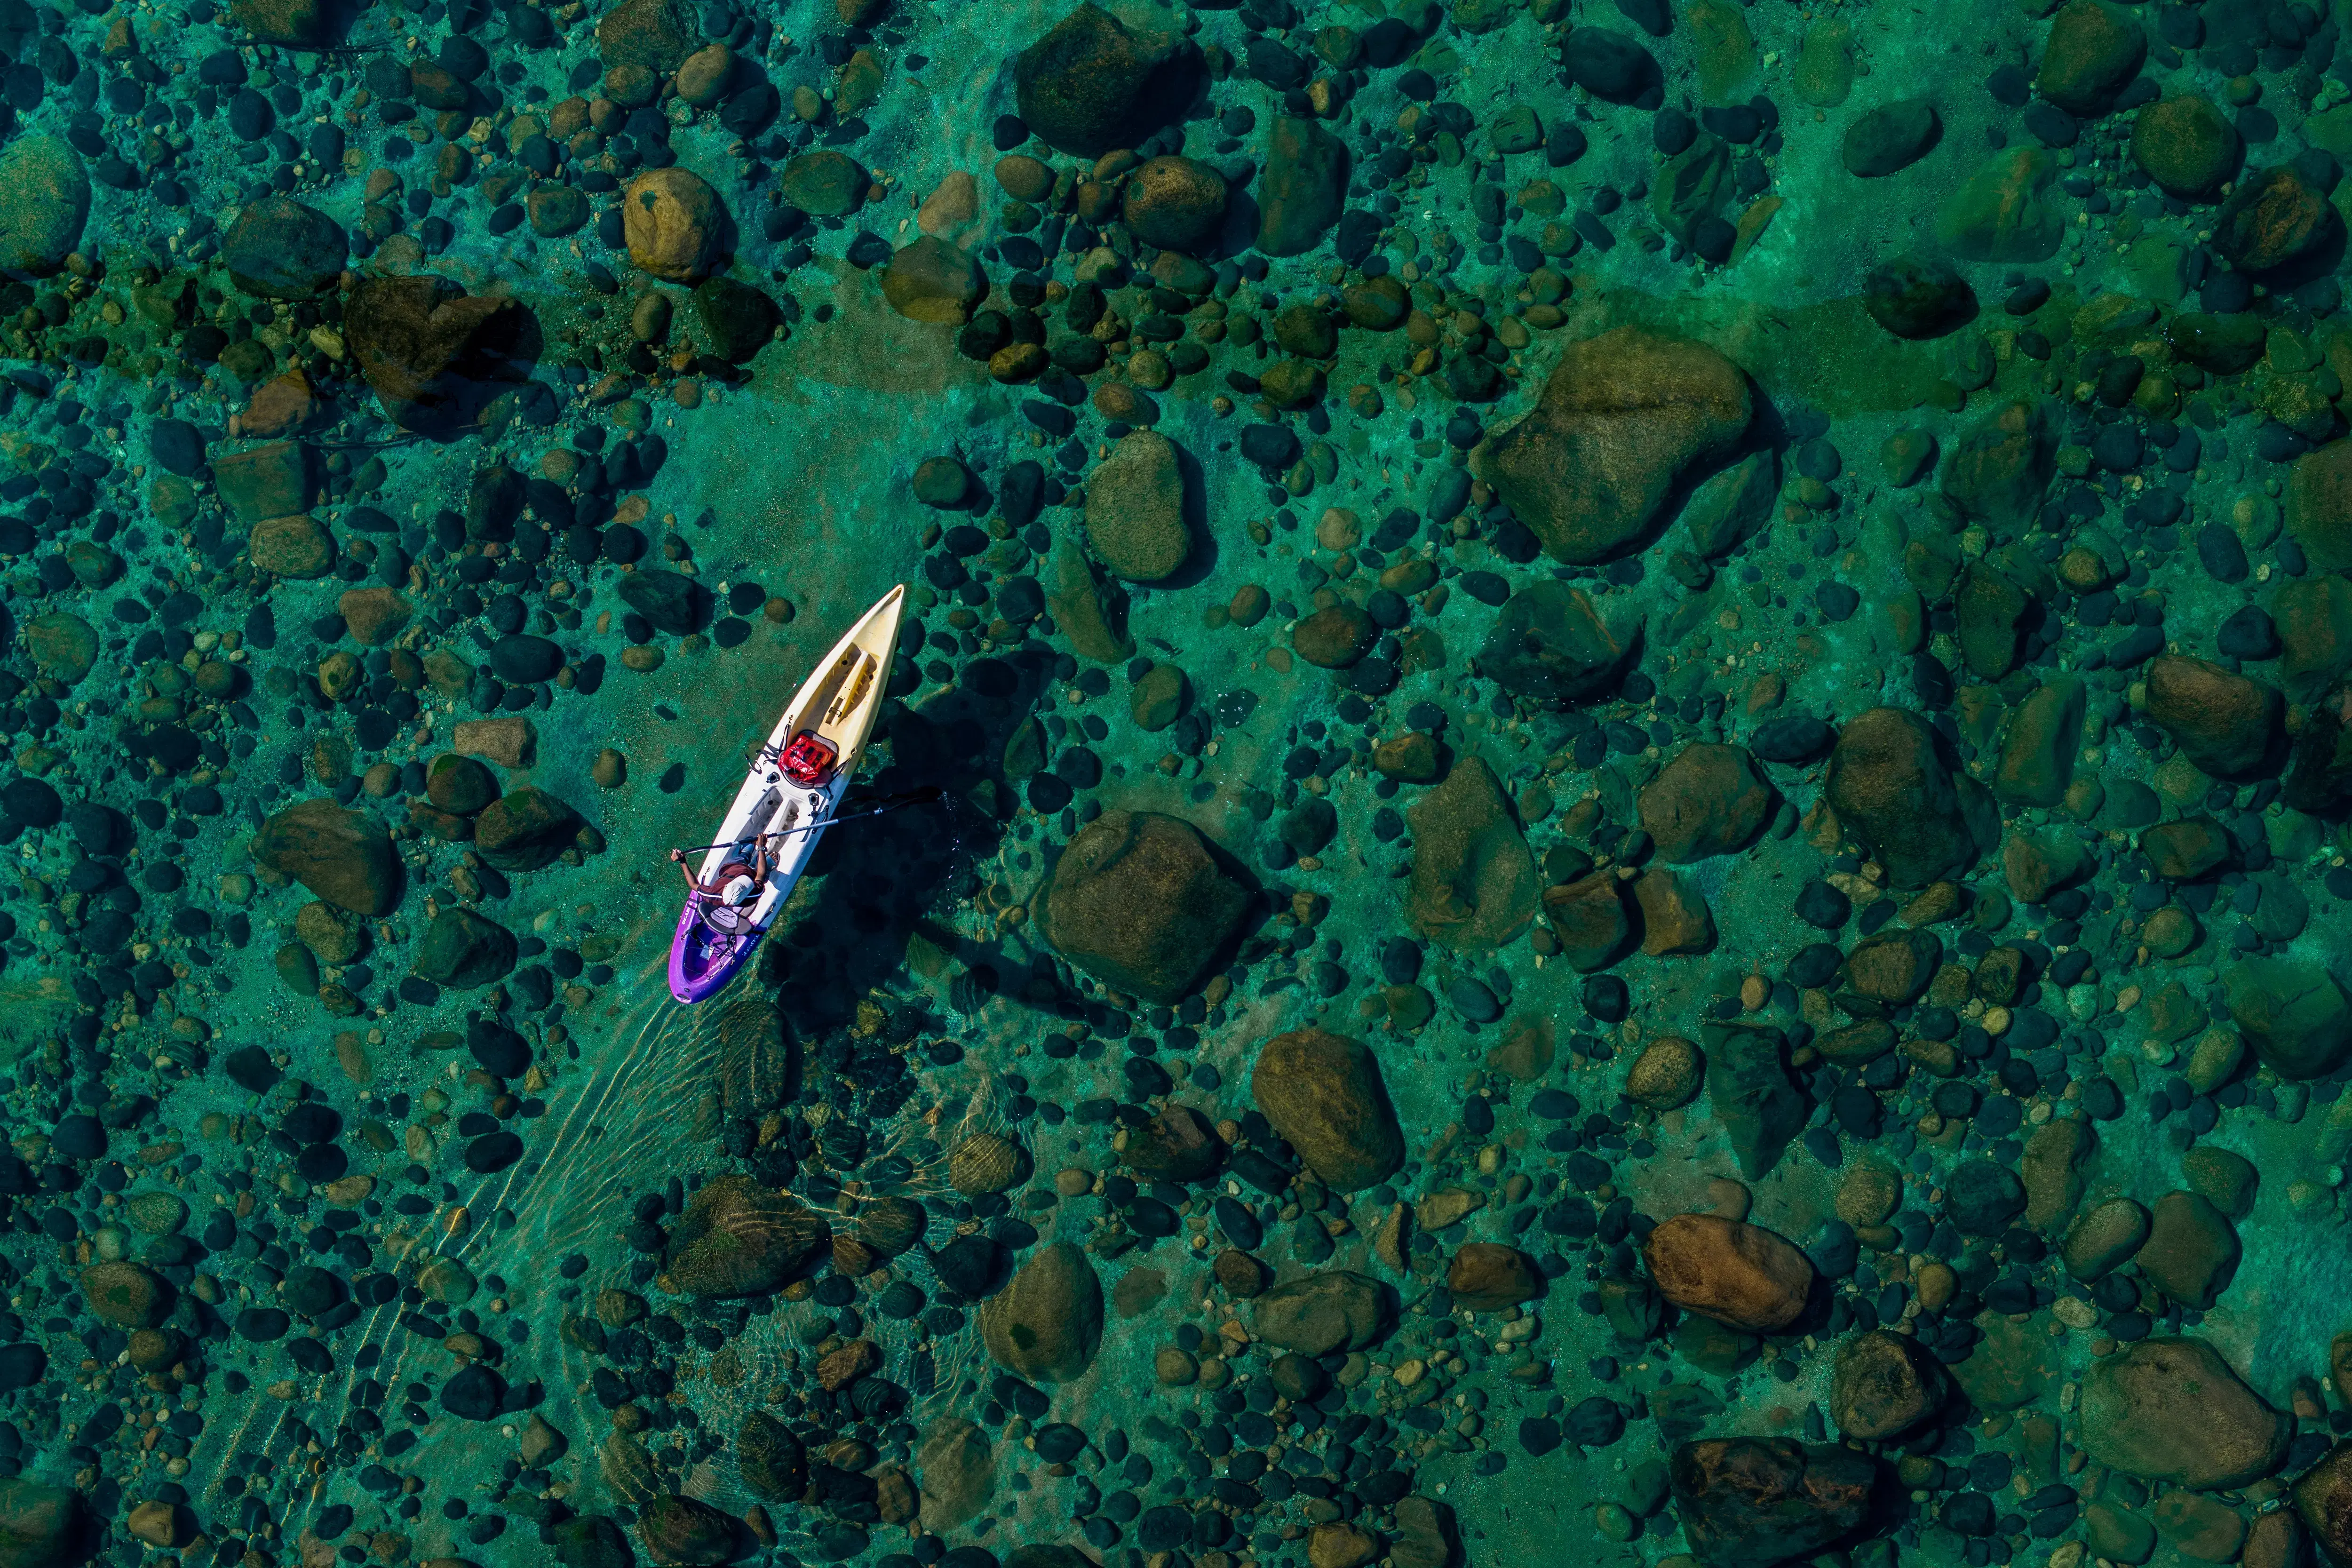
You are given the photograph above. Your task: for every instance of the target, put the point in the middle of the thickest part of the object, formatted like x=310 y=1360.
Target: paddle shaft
x=919 y=797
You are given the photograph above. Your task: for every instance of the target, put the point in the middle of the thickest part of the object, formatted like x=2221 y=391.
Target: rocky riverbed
x=1644 y=710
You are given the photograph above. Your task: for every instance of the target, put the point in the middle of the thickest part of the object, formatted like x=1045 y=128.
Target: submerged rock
x=44 y=204
x=1473 y=883
x=1623 y=418
x=1046 y=1324
x=1740 y=1275
x=344 y=856
x=737 y=1238
x=1324 y=1094
x=2171 y=1409
x=1092 y=83
x=1139 y=899
x=1893 y=790
x=1750 y=1502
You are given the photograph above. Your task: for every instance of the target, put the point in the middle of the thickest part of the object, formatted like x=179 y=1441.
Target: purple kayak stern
x=702 y=957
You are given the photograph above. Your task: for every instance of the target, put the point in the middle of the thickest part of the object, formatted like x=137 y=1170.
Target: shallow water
x=1740 y=557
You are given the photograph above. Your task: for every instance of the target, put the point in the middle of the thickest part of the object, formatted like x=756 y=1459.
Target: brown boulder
x=2323 y=1498
x=345 y=857
x=1892 y=791
x=1750 y=1502
x=1333 y=638
x=2171 y=1409
x=1622 y=419
x=2185 y=851
x=2191 y=1251
x=1590 y=921
x=1174 y=204
x=1319 y=1313
x=2315 y=628
x=2187 y=145
x=2228 y=725
x=1140 y=901
x=1740 y=1275
x=1997 y=472
x=2319 y=506
x=2272 y=219
x=432 y=353
x=1323 y=1092
x=126 y=1295
x=1473 y=884
x=1708 y=800
x=1883 y=1383
x=673 y=222
x=2093 y=51
x=738 y=1238
x=1486 y=1277
x=1675 y=920
x=1045 y=1325
x=1177 y=1145
x=1092 y=83
x=42 y=1526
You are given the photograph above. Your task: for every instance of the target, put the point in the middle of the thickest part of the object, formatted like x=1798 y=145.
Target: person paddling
x=717 y=888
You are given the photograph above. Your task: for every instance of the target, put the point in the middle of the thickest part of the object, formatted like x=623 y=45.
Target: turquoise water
x=1532 y=621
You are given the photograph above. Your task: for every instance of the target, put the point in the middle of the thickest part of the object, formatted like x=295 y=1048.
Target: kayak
x=786 y=801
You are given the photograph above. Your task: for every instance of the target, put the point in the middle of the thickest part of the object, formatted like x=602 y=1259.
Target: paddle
x=923 y=796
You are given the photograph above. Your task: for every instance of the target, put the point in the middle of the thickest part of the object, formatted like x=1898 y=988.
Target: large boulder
x=1749 y=1087
x=1752 y=1502
x=1918 y=297
x=44 y=203
x=1624 y=417
x=1882 y=1384
x=686 y=1530
x=1092 y=83
x=1553 y=645
x=1300 y=191
x=2295 y=1015
x=1324 y=1094
x=432 y=353
x=2171 y=1409
x=41 y=1526
x=526 y=830
x=1708 y=800
x=2323 y=1498
x=464 y=951
x=1135 y=509
x=346 y=858
x=2319 y=506
x=1174 y=204
x=1893 y=792
x=656 y=34
x=2093 y=52
x=738 y=1238
x=2229 y=725
x=1997 y=472
x=1474 y=885
x=2274 y=220
x=2187 y=145
x=1740 y=1275
x=771 y=1458
x=933 y=280
x=2003 y=211
x=125 y=1295
x=673 y=224
x=1044 y=1325
x=1140 y=902
x=1320 y=1313
x=280 y=249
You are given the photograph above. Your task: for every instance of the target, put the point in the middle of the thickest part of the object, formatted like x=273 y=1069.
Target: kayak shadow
x=887 y=891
